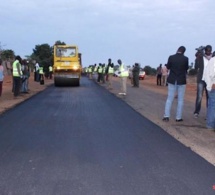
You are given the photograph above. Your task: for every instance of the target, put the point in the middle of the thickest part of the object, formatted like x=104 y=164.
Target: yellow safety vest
x=90 y=69
x=100 y=69
x=110 y=70
x=124 y=73
x=41 y=70
x=104 y=69
x=15 y=69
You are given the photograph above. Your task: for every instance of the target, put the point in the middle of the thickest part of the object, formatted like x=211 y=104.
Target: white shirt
x=205 y=67
x=37 y=66
x=209 y=76
x=164 y=71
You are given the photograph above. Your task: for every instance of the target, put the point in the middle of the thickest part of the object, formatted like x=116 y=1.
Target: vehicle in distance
x=67 y=65
x=142 y=74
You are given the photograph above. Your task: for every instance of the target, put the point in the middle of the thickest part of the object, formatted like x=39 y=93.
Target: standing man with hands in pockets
x=177 y=65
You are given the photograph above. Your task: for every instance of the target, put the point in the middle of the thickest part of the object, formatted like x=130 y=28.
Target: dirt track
x=149 y=101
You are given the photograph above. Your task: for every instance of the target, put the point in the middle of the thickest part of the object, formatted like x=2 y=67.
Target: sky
x=142 y=31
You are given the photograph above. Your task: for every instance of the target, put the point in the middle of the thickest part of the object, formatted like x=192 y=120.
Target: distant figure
x=200 y=64
x=99 y=70
x=103 y=73
x=26 y=74
x=109 y=73
x=1 y=76
x=17 y=75
x=36 y=72
x=41 y=75
x=210 y=83
x=90 y=71
x=178 y=66
x=136 y=72
x=164 y=72
x=50 y=72
x=123 y=74
x=159 y=74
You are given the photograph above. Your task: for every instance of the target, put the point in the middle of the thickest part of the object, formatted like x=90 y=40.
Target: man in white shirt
x=36 y=72
x=164 y=72
x=200 y=65
x=209 y=77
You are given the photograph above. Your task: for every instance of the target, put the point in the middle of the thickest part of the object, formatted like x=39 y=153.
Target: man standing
x=36 y=73
x=159 y=74
x=17 y=75
x=136 y=72
x=109 y=73
x=1 y=76
x=210 y=83
x=50 y=71
x=123 y=75
x=178 y=66
x=200 y=64
x=164 y=71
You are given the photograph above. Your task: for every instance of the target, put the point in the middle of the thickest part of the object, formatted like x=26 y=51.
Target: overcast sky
x=143 y=31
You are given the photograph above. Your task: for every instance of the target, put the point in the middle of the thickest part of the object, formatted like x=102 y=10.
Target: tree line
x=43 y=54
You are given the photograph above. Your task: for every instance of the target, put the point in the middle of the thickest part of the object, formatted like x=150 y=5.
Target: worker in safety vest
x=17 y=75
x=123 y=74
x=103 y=73
x=109 y=73
x=50 y=71
x=95 y=72
x=41 y=73
x=90 y=71
x=99 y=78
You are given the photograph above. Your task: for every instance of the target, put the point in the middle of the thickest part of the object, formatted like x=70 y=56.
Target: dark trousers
x=17 y=85
x=159 y=79
x=50 y=74
x=103 y=78
x=99 y=77
x=201 y=87
x=136 y=80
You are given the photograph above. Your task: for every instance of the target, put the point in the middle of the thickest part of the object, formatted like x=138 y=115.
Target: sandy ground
x=149 y=100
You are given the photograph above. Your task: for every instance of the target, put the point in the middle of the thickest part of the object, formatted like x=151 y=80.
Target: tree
x=7 y=54
x=60 y=43
x=43 y=54
x=149 y=70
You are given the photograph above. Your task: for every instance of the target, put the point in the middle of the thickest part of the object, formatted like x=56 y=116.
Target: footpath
x=149 y=100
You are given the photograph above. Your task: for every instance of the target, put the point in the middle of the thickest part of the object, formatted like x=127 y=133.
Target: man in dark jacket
x=109 y=73
x=201 y=62
x=136 y=72
x=177 y=65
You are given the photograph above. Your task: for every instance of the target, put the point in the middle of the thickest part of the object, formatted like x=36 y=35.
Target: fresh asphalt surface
x=86 y=141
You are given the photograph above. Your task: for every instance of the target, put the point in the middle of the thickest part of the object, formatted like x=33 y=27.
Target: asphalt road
x=86 y=141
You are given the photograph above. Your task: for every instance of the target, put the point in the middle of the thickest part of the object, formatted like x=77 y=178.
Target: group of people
x=39 y=73
x=162 y=74
x=105 y=74
x=21 y=74
x=177 y=66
